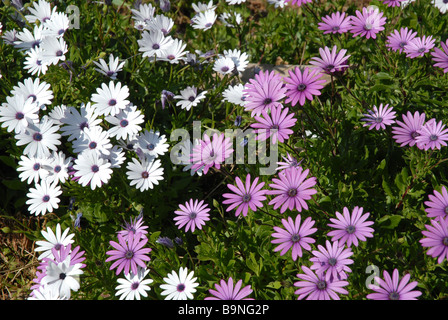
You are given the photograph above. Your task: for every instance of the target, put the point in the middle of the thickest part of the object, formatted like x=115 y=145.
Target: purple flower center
x=145 y=175
x=332 y=261
x=95 y=168
x=36 y=166
x=445 y=241
x=267 y=101
x=446 y=209
x=57 y=169
x=321 y=285
x=335 y=28
x=192 y=215
x=58 y=246
x=83 y=125
x=32 y=96
x=135 y=285
x=171 y=57
x=350 y=229
x=394 y=296
x=156 y=46
x=402 y=44
x=301 y=87
x=329 y=67
x=295 y=237
x=433 y=137
x=246 y=198
x=110 y=73
x=39 y=62
x=37 y=136
x=208 y=25
x=19 y=116
x=414 y=134
x=112 y=102
x=292 y=192
x=150 y=147
x=92 y=145
x=35 y=44
x=225 y=69
x=46 y=198
x=129 y=254
x=61 y=32
x=421 y=50
x=275 y=126
x=124 y=123
x=59 y=53
x=192 y=98
x=180 y=287
x=62 y=276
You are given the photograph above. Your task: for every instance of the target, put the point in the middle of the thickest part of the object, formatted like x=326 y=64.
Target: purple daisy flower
x=418 y=46
x=129 y=253
x=407 y=131
x=393 y=3
x=368 y=23
x=264 y=92
x=296 y=236
x=330 y=62
x=440 y=57
x=392 y=288
x=299 y=2
x=379 y=118
x=336 y=23
x=289 y=162
x=227 y=291
x=436 y=238
x=397 y=40
x=134 y=226
x=437 y=204
x=301 y=86
x=351 y=227
x=275 y=125
x=192 y=215
x=432 y=135
x=211 y=153
x=315 y=287
x=292 y=189
x=245 y=196
x=332 y=261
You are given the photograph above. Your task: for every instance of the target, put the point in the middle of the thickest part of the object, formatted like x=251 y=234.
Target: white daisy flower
x=234 y=94
x=230 y=19
x=144 y=174
x=278 y=3
x=59 y=113
x=153 y=43
x=16 y=113
x=57 y=25
x=201 y=7
x=110 y=70
x=33 y=169
x=92 y=169
x=133 y=285
x=175 y=52
x=27 y=39
x=179 y=286
x=53 y=240
x=233 y=2
x=40 y=93
x=53 y=49
x=161 y=23
x=189 y=97
x=35 y=62
x=109 y=100
x=75 y=122
x=152 y=144
x=39 y=138
x=126 y=123
x=62 y=277
x=93 y=139
x=241 y=59
x=57 y=167
x=43 y=198
x=10 y=37
x=144 y=13
x=204 y=20
x=116 y=157
x=40 y=11
x=224 y=65
x=45 y=293
x=442 y=5
x=140 y=25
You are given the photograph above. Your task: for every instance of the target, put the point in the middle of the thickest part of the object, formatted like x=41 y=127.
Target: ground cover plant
x=231 y=149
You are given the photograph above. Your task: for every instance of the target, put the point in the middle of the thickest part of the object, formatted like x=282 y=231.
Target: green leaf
x=393 y=220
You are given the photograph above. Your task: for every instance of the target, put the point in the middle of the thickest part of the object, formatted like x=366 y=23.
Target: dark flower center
x=180 y=287
x=57 y=169
x=83 y=125
x=129 y=254
x=192 y=98
x=135 y=285
x=35 y=44
x=124 y=123
x=62 y=276
x=171 y=57
x=92 y=145
x=267 y=101
x=110 y=73
x=329 y=67
x=156 y=46
x=60 y=32
x=321 y=285
x=402 y=44
x=59 y=53
x=145 y=175
x=446 y=209
x=208 y=25
x=301 y=87
x=46 y=198
x=292 y=192
x=275 y=126
x=350 y=229
x=332 y=261
x=421 y=50
x=394 y=296
x=246 y=198
x=37 y=136
x=414 y=134
x=378 y=119
x=36 y=166
x=225 y=69
x=150 y=147
x=20 y=116
x=32 y=96
x=112 y=102
x=58 y=246
x=193 y=215
x=39 y=62
x=95 y=168
x=433 y=137
x=445 y=241
x=295 y=237
x=335 y=28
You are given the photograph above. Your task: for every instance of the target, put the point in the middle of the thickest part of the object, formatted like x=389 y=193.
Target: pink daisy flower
x=299 y=2
x=315 y=287
x=229 y=291
x=397 y=40
x=392 y=288
x=407 y=131
x=292 y=189
x=436 y=238
x=330 y=62
x=192 y=215
x=275 y=125
x=336 y=23
x=440 y=57
x=332 y=261
x=245 y=196
x=129 y=253
x=437 y=204
x=133 y=227
x=264 y=92
x=289 y=162
x=351 y=227
x=368 y=23
x=433 y=135
x=379 y=118
x=211 y=153
x=295 y=235
x=418 y=46
x=301 y=86
x=393 y=3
